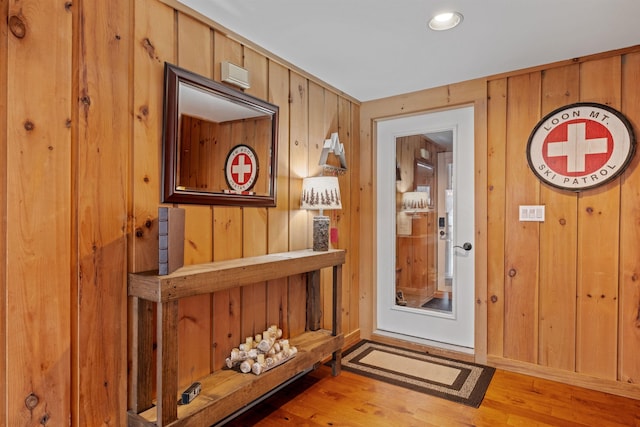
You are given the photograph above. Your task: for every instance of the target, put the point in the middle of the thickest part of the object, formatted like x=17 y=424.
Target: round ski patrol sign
x=241 y=169
x=580 y=146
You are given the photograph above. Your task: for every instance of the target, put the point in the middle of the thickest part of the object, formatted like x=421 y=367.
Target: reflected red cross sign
x=241 y=168
x=580 y=146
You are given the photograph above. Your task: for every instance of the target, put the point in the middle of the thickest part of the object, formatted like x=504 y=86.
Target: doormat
x=443 y=304
x=461 y=382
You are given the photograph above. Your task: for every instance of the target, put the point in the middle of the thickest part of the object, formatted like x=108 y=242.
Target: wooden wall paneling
x=224 y=143
x=299 y=233
x=481 y=226
x=197 y=144
x=189 y=133
x=226 y=319
x=254 y=220
x=299 y=169
x=214 y=174
x=278 y=217
x=406 y=148
x=558 y=236
x=598 y=242
x=195 y=50
x=186 y=124
x=428 y=99
x=404 y=256
x=496 y=200
x=254 y=310
x=365 y=158
x=199 y=154
x=353 y=253
x=226 y=49
x=319 y=131
x=278 y=305
x=102 y=146
x=522 y=238
x=205 y=150
x=297 y=314
x=330 y=125
x=153 y=44
x=227 y=236
x=4 y=8
x=343 y=217
x=38 y=258
x=410 y=256
x=629 y=308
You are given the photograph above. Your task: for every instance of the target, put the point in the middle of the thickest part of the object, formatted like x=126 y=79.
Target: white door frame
x=455 y=329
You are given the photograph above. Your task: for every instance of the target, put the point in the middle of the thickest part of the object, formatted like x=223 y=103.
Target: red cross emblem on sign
x=580 y=146
x=241 y=168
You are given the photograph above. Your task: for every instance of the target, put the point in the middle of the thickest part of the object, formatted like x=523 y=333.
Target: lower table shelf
x=227 y=391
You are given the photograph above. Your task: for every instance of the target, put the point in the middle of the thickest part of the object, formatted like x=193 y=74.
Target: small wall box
x=235 y=75
x=189 y=394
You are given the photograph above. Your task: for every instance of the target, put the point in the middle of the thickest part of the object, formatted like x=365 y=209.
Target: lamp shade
x=415 y=201
x=320 y=193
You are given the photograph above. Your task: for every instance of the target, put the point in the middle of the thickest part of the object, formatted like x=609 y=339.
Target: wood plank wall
x=561 y=298
x=80 y=155
x=37 y=203
x=3 y=203
x=565 y=290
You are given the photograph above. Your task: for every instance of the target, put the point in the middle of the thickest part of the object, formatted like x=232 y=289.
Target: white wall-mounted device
x=235 y=75
x=532 y=213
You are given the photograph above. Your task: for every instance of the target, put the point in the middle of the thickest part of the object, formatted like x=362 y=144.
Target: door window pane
x=423 y=224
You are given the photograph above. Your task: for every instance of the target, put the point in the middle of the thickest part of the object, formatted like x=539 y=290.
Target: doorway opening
x=425 y=227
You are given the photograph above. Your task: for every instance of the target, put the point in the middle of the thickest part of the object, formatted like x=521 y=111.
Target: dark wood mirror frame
x=173 y=191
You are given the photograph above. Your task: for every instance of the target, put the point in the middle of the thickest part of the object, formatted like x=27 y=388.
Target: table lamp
x=415 y=201
x=320 y=193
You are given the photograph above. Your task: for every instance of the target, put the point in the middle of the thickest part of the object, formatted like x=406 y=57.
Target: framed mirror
x=219 y=144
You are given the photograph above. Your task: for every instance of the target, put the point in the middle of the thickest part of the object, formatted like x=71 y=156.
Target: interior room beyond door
x=424 y=221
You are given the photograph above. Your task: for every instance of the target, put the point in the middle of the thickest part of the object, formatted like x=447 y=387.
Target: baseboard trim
x=572 y=378
x=351 y=339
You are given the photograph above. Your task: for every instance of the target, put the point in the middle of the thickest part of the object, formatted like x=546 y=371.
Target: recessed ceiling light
x=445 y=21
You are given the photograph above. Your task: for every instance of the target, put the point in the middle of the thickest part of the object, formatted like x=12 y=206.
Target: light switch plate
x=532 y=213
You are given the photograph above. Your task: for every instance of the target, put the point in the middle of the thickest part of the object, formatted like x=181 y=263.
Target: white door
x=452 y=209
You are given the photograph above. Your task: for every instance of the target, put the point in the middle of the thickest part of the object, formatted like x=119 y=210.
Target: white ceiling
x=373 y=49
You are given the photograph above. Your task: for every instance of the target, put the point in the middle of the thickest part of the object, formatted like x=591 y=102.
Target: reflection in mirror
x=219 y=144
x=422 y=236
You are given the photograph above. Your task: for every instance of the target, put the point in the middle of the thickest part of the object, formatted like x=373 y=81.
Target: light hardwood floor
x=318 y=399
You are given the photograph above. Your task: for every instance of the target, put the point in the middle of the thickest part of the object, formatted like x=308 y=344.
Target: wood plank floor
x=318 y=399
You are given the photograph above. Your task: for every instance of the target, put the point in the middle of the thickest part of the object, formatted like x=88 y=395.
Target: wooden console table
x=224 y=391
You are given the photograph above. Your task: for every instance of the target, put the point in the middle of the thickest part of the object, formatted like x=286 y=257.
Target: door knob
x=466 y=246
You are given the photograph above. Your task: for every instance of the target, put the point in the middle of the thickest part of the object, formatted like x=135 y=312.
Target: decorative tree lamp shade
x=415 y=201
x=320 y=193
